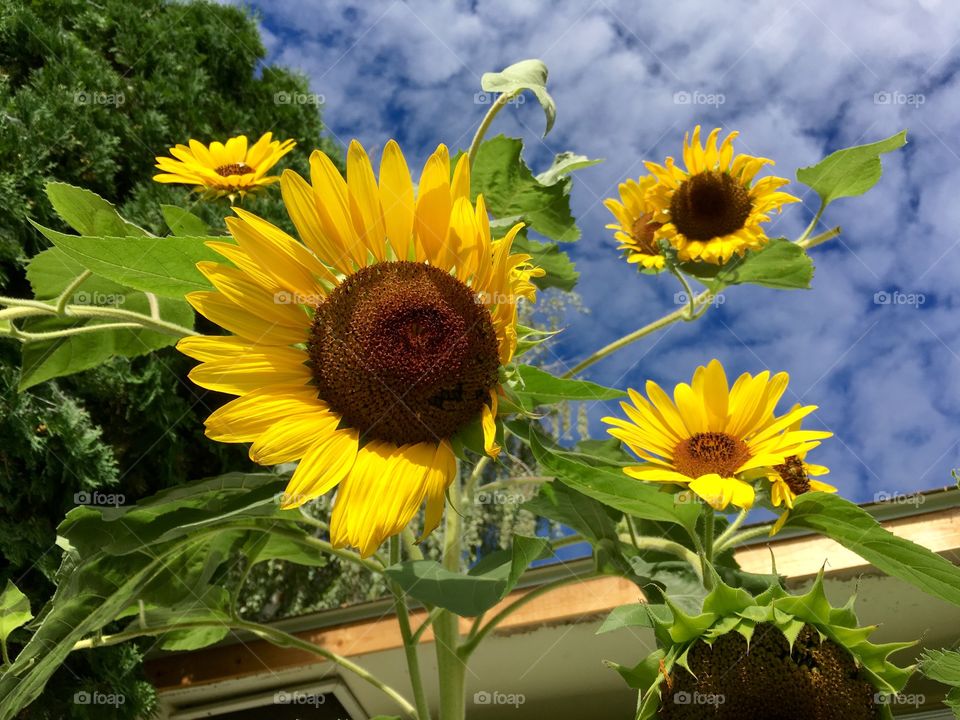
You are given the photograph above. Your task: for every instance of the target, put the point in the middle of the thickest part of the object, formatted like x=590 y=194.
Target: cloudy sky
x=798 y=80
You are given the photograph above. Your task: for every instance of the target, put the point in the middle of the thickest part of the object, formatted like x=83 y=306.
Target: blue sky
x=798 y=80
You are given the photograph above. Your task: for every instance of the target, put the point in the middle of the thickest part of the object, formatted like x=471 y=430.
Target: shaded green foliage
x=90 y=94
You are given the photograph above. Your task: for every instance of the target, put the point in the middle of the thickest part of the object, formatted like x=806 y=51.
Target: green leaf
x=88 y=213
x=611 y=487
x=563 y=504
x=14 y=610
x=513 y=193
x=855 y=529
x=642 y=615
x=943 y=666
x=535 y=387
x=164 y=266
x=184 y=223
x=49 y=273
x=563 y=164
x=560 y=269
x=472 y=594
x=525 y=75
x=782 y=264
x=849 y=172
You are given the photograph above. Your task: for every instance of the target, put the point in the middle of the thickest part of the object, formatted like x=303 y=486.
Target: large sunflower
x=635 y=227
x=712 y=209
x=224 y=168
x=710 y=433
x=362 y=351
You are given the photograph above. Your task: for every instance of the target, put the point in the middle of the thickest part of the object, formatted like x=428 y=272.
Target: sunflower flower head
x=635 y=228
x=709 y=435
x=362 y=349
x=221 y=169
x=712 y=209
x=776 y=655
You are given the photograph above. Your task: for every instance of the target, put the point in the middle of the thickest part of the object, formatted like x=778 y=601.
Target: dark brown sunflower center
x=710 y=452
x=710 y=204
x=794 y=474
x=240 y=168
x=817 y=680
x=642 y=232
x=404 y=352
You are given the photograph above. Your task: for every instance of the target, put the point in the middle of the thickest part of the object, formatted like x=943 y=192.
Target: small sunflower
x=713 y=209
x=793 y=477
x=635 y=228
x=224 y=168
x=710 y=433
x=362 y=351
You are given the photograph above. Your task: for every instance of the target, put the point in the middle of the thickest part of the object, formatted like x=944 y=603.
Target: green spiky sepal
x=727 y=609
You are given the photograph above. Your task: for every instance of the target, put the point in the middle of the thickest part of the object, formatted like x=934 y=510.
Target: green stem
x=91 y=311
x=739 y=539
x=496 y=107
x=468 y=647
x=730 y=529
x=61 y=302
x=707 y=556
x=25 y=336
x=820 y=239
x=813 y=223
x=427 y=622
x=409 y=643
x=446 y=626
x=668 y=319
x=691 y=314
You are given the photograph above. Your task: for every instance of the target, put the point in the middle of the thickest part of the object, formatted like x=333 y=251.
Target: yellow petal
x=322 y=468
x=254 y=369
x=365 y=201
x=396 y=199
x=243 y=321
x=247 y=417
